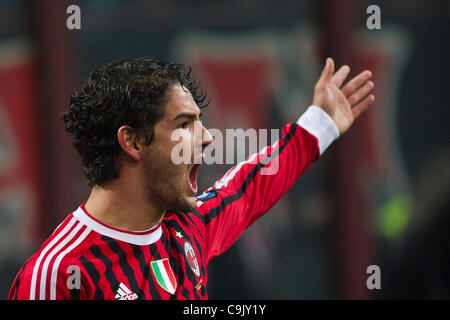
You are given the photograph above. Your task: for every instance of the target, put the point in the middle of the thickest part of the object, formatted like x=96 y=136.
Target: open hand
x=343 y=103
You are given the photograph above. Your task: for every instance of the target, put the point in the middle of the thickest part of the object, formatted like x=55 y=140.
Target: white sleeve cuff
x=319 y=124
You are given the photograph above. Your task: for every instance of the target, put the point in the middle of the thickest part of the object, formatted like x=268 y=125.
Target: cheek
x=160 y=165
x=160 y=174
x=180 y=147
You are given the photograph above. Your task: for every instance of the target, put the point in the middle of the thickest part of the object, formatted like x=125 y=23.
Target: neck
x=123 y=206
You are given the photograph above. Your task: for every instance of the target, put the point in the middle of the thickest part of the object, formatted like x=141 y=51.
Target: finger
x=340 y=76
x=363 y=91
x=362 y=106
x=327 y=72
x=356 y=82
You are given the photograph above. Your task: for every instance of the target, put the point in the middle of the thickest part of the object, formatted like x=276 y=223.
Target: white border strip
x=138 y=239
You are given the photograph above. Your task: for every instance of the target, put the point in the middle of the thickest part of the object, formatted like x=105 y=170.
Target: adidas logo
x=123 y=293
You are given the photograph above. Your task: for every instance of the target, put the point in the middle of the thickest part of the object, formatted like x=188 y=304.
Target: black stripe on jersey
x=176 y=226
x=126 y=268
x=214 y=212
x=110 y=276
x=146 y=272
x=95 y=277
x=184 y=217
x=154 y=251
x=17 y=283
x=168 y=243
x=174 y=264
x=198 y=215
x=75 y=294
x=84 y=289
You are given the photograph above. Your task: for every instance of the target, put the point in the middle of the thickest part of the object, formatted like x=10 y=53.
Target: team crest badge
x=191 y=258
x=164 y=275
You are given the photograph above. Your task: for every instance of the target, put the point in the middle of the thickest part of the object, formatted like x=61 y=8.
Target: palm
x=343 y=103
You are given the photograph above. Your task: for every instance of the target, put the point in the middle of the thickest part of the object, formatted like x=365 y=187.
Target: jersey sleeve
x=252 y=187
x=65 y=283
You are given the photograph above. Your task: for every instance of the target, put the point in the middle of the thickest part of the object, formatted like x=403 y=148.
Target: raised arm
x=247 y=191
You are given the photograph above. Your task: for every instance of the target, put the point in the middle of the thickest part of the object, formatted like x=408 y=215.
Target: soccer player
x=143 y=233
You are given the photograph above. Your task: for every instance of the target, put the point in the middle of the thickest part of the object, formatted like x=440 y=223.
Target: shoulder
x=45 y=274
x=43 y=278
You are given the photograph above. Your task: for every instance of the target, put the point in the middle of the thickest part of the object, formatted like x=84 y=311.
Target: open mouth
x=192 y=178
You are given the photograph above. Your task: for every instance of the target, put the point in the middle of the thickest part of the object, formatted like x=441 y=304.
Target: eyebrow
x=189 y=115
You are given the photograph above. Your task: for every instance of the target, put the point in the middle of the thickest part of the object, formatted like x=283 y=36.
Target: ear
x=127 y=140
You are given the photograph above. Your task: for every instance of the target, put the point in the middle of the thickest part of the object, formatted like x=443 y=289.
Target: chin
x=185 y=205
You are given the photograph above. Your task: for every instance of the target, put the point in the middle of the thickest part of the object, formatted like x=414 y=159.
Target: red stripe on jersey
x=103 y=283
x=134 y=265
x=117 y=274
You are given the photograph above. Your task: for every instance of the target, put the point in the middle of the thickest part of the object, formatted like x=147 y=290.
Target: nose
x=207 y=137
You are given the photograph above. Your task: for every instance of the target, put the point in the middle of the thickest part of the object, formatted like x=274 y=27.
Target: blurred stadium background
x=380 y=195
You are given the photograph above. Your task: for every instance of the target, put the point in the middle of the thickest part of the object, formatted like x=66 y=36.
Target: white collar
x=140 y=238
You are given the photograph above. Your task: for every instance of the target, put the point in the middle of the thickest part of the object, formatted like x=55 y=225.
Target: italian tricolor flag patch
x=164 y=275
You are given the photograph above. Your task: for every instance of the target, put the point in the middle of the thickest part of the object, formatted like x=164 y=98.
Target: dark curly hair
x=129 y=92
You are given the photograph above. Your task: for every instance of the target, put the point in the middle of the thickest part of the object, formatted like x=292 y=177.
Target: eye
x=184 y=125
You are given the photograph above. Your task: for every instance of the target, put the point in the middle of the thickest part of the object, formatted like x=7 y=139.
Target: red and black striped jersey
x=86 y=259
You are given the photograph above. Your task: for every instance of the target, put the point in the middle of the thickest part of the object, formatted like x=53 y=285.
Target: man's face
x=170 y=185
